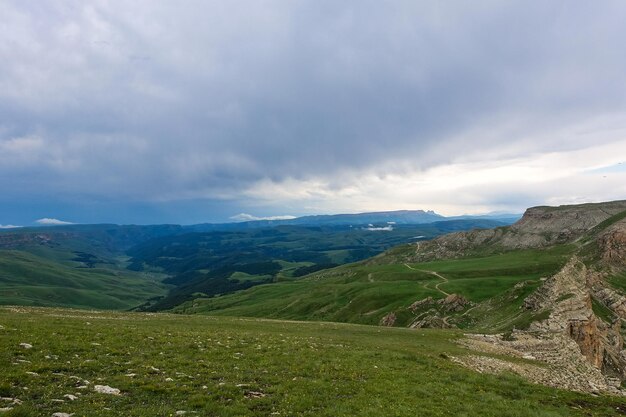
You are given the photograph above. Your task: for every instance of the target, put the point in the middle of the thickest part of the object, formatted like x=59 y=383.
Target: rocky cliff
x=539 y=227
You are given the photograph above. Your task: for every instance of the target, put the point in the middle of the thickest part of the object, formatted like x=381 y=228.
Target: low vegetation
x=165 y=365
x=364 y=293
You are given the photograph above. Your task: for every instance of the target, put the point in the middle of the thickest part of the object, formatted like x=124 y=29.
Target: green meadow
x=219 y=366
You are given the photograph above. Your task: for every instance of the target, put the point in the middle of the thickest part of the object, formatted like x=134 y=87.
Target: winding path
x=441 y=277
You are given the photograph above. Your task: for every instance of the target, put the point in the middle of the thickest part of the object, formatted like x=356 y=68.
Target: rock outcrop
x=583 y=352
x=539 y=227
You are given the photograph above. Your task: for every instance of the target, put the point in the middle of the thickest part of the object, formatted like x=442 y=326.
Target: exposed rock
x=420 y=304
x=584 y=353
x=431 y=322
x=453 y=303
x=539 y=227
x=26 y=345
x=389 y=320
x=62 y=415
x=105 y=389
x=559 y=362
x=612 y=244
x=254 y=394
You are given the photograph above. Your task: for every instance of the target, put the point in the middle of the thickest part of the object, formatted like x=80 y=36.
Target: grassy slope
x=301 y=369
x=27 y=279
x=361 y=293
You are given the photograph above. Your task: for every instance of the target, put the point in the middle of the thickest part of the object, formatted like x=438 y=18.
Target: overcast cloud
x=152 y=111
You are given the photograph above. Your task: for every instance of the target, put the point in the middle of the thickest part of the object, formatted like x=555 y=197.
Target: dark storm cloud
x=158 y=101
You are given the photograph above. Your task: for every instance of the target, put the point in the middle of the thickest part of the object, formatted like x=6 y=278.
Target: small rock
x=26 y=345
x=131 y=375
x=254 y=394
x=32 y=373
x=62 y=415
x=180 y=413
x=70 y=397
x=168 y=379
x=105 y=389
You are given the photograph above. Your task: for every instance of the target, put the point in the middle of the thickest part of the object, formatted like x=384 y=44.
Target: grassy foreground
x=219 y=366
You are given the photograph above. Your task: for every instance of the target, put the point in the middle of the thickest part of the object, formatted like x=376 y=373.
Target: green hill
x=27 y=279
x=362 y=293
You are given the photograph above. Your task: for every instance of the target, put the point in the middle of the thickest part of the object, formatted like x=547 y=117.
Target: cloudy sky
x=160 y=111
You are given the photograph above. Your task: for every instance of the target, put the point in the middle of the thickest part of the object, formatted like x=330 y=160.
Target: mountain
x=550 y=289
x=382 y=218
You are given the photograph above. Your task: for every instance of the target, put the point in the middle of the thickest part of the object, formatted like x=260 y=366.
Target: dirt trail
x=441 y=277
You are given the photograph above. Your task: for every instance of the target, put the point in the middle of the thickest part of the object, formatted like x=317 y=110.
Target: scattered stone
x=62 y=415
x=105 y=389
x=70 y=397
x=56 y=400
x=26 y=345
x=180 y=413
x=254 y=394
x=32 y=373
x=131 y=375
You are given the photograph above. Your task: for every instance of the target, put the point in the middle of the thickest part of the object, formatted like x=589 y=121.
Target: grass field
x=217 y=366
x=27 y=279
x=361 y=293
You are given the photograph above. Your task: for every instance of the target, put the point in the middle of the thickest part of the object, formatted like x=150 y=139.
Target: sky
x=156 y=111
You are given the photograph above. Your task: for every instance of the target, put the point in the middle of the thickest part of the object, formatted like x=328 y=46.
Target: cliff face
x=539 y=227
x=612 y=244
x=584 y=313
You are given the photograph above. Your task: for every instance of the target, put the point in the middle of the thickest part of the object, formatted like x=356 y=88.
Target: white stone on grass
x=26 y=345
x=105 y=389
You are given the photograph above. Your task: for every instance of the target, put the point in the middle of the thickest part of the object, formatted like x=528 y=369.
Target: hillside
x=28 y=279
x=161 y=266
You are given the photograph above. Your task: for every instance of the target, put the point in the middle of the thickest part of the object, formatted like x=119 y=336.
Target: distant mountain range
x=381 y=218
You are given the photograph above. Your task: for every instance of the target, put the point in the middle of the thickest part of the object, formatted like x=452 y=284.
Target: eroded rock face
x=612 y=244
x=389 y=320
x=453 y=303
x=433 y=321
x=539 y=227
x=568 y=295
